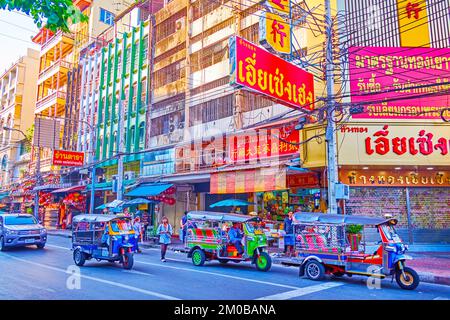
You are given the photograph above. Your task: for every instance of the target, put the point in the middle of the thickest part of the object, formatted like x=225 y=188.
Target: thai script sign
x=248 y=147
x=67 y=158
x=261 y=71
x=413 y=23
x=400 y=83
x=275 y=27
x=401 y=178
x=394 y=144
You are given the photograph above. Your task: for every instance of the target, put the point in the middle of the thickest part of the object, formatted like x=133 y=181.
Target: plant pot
x=354 y=240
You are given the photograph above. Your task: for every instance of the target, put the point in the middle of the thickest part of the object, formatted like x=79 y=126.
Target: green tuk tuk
x=207 y=239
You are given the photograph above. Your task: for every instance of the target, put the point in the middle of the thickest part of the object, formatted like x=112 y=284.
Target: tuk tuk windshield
x=254 y=227
x=121 y=226
x=391 y=233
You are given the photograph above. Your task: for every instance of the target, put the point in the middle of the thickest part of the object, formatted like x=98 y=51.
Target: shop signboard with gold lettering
x=400 y=83
x=394 y=144
x=395 y=178
x=259 y=70
x=275 y=27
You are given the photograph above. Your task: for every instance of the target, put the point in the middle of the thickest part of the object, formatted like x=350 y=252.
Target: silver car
x=18 y=230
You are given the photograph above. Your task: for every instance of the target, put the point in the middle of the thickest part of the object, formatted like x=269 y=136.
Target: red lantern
x=172 y=201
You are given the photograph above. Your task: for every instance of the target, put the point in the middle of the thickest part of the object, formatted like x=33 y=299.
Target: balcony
x=66 y=39
x=62 y=66
x=57 y=97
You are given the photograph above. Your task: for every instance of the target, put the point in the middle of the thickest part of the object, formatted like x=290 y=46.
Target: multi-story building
x=17 y=100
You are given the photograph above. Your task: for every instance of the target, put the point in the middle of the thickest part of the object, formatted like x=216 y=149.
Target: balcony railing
x=55 y=39
x=53 y=96
x=60 y=63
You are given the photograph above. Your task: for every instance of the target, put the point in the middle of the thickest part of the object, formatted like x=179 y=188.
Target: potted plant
x=354 y=235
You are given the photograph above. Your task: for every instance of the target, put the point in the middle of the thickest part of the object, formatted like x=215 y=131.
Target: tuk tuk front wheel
x=79 y=257
x=198 y=257
x=408 y=282
x=128 y=260
x=263 y=262
x=314 y=270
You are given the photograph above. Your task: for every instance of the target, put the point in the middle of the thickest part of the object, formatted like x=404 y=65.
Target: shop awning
x=147 y=190
x=69 y=189
x=4 y=195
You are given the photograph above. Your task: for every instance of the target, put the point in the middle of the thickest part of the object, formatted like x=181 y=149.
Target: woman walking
x=165 y=232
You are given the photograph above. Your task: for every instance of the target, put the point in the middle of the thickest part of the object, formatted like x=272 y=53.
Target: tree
x=56 y=15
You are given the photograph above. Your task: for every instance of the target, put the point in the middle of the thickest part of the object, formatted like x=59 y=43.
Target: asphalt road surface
x=30 y=273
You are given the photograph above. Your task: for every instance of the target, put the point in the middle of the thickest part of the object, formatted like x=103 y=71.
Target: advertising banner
x=259 y=70
x=67 y=158
x=400 y=83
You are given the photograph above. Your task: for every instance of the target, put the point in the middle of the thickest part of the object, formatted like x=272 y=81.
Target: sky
x=16 y=31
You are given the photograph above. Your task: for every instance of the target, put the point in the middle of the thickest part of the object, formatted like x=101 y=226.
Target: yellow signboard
x=283 y=6
x=275 y=27
x=413 y=23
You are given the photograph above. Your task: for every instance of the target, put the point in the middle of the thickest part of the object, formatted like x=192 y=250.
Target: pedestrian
x=183 y=223
x=165 y=232
x=289 y=233
x=235 y=235
x=137 y=227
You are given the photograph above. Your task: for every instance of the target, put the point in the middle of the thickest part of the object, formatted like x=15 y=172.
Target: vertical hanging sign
x=275 y=26
x=413 y=23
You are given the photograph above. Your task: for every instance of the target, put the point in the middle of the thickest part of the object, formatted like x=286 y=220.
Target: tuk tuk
x=207 y=239
x=103 y=237
x=352 y=245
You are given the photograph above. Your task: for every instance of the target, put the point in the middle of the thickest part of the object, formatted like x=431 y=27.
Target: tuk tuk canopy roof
x=219 y=216
x=95 y=218
x=301 y=217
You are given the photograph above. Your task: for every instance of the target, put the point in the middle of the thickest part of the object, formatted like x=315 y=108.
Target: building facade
x=17 y=100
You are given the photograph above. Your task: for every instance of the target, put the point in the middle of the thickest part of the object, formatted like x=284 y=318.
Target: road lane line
x=55 y=246
x=302 y=291
x=165 y=265
x=116 y=284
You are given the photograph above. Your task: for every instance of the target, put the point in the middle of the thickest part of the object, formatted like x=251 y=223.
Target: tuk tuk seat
x=204 y=235
x=316 y=242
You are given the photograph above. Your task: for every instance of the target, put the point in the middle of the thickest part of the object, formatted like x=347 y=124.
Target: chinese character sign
x=261 y=71
x=413 y=23
x=400 y=83
x=275 y=27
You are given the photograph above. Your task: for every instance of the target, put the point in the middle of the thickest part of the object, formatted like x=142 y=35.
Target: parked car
x=18 y=230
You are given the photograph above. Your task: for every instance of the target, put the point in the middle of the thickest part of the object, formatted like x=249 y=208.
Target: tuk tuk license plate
x=29 y=240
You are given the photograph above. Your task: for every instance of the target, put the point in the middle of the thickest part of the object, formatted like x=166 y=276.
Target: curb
x=60 y=234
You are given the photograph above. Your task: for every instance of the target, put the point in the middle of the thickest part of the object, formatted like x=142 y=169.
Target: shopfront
x=402 y=170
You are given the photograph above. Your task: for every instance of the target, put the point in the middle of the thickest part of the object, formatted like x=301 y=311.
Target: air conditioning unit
x=174 y=121
x=179 y=24
x=83 y=182
x=130 y=175
x=342 y=191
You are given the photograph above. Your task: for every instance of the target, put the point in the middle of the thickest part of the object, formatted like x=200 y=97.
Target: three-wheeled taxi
x=103 y=237
x=207 y=239
x=341 y=244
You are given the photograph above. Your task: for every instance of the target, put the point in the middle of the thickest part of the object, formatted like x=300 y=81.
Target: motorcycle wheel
x=128 y=260
x=410 y=281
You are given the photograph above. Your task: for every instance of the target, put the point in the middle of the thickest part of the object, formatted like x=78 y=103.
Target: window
x=132 y=135
x=143 y=92
x=134 y=94
x=141 y=133
x=212 y=110
x=106 y=17
x=128 y=60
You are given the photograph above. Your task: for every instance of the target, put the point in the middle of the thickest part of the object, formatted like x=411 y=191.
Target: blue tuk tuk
x=103 y=237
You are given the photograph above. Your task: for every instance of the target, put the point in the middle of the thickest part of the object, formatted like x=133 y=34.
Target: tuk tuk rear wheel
x=128 y=260
x=198 y=257
x=79 y=257
x=314 y=270
x=410 y=282
x=263 y=262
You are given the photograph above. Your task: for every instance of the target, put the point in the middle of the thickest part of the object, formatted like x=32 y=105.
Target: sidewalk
x=431 y=261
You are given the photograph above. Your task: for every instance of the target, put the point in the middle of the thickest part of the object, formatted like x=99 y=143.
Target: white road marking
x=139 y=272
x=440 y=298
x=302 y=291
x=116 y=284
x=217 y=274
x=59 y=247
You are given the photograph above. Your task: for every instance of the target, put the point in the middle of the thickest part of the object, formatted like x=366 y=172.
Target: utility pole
x=120 y=143
x=332 y=170
x=37 y=171
x=93 y=160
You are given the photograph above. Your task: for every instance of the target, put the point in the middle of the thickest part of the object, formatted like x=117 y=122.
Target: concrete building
x=17 y=100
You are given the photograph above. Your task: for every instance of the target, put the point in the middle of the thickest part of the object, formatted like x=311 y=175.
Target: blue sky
x=16 y=31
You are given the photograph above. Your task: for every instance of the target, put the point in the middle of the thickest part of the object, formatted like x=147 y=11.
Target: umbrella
x=114 y=204
x=137 y=201
x=103 y=206
x=231 y=203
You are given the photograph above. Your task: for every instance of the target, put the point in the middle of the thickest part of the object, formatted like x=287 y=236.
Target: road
x=29 y=273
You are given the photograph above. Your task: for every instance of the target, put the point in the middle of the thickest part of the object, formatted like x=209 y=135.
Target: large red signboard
x=68 y=158
x=261 y=71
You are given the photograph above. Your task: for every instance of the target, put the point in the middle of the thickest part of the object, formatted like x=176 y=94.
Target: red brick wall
x=430 y=207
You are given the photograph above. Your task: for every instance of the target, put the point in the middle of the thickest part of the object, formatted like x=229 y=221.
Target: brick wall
x=430 y=208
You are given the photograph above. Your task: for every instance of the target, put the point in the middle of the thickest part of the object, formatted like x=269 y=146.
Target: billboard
x=259 y=70
x=400 y=83
x=67 y=158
